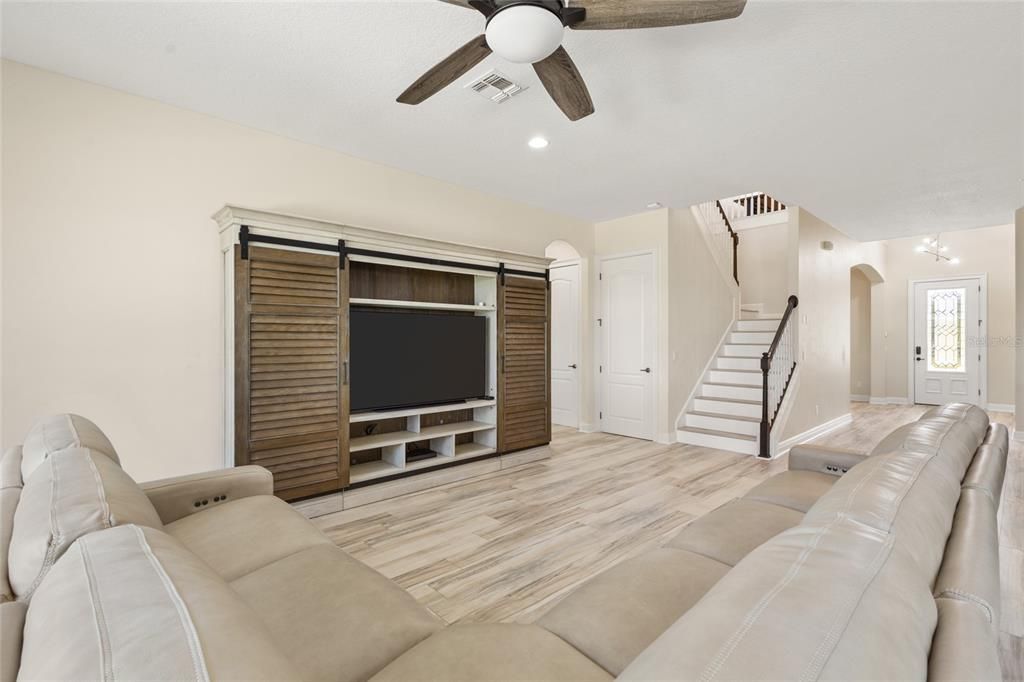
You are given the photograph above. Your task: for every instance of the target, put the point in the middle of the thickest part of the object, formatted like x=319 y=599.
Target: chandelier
x=933 y=246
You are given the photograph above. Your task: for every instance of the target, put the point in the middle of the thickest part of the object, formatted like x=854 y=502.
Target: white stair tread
x=738 y=371
x=716 y=415
x=730 y=400
x=719 y=383
x=720 y=434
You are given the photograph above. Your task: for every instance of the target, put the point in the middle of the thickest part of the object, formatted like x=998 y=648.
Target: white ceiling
x=884 y=118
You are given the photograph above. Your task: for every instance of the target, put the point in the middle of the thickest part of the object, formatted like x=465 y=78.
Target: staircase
x=726 y=411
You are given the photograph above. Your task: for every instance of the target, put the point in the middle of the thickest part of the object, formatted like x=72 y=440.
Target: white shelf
x=386 y=303
x=411 y=412
x=380 y=440
x=369 y=471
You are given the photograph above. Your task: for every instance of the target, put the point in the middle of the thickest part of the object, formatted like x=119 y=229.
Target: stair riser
x=744 y=447
x=736 y=392
x=736 y=426
x=756 y=326
x=734 y=409
x=738 y=363
x=735 y=351
x=764 y=338
x=721 y=376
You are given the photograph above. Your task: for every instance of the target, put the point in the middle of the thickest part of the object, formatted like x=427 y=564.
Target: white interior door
x=946 y=366
x=629 y=322
x=565 y=345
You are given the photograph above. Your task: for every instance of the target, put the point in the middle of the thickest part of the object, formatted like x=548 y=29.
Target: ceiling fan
x=531 y=31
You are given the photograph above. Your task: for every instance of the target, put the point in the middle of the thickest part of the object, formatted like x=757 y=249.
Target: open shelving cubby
x=480 y=438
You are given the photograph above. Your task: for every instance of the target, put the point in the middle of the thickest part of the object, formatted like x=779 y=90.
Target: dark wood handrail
x=792 y=303
x=770 y=412
x=735 y=242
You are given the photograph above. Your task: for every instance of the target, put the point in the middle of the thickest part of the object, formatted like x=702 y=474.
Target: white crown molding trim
x=858 y=398
x=810 y=434
x=1001 y=407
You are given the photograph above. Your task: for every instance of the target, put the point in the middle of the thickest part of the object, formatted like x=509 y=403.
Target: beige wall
x=860 y=334
x=823 y=287
x=989 y=251
x=112 y=276
x=701 y=308
x=763 y=262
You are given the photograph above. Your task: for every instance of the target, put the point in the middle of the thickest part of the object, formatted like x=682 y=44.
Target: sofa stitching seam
x=959 y=595
x=184 y=618
x=102 y=632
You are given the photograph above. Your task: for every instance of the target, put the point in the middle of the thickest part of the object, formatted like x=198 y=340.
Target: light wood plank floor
x=504 y=547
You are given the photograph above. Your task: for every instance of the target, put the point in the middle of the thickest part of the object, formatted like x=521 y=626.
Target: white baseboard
x=1001 y=407
x=810 y=434
x=891 y=400
x=588 y=428
x=858 y=398
x=1018 y=436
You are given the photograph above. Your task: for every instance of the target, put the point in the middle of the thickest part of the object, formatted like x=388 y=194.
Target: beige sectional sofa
x=846 y=566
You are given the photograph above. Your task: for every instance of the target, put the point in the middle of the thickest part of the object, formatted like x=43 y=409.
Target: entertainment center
x=361 y=356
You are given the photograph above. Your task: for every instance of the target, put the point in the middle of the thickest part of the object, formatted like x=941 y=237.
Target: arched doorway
x=867 y=368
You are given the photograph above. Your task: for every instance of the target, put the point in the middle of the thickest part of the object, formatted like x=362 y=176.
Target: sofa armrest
x=832 y=461
x=177 y=497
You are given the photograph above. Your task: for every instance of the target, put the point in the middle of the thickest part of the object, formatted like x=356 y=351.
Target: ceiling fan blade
x=615 y=14
x=448 y=71
x=564 y=83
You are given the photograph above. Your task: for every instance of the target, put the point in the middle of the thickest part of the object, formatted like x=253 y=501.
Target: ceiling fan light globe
x=524 y=34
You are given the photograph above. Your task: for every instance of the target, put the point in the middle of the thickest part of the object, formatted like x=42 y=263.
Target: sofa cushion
x=336 y=618
x=735 y=529
x=12 y=622
x=971 y=416
x=74 y=492
x=965 y=646
x=492 y=652
x=131 y=603
x=814 y=602
x=615 y=615
x=912 y=491
x=988 y=468
x=970 y=565
x=241 y=536
x=59 y=432
x=796 y=490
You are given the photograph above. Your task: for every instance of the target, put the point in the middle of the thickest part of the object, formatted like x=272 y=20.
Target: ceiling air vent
x=495 y=86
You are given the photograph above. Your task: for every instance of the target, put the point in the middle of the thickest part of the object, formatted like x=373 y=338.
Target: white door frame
x=600 y=345
x=982 y=334
x=564 y=263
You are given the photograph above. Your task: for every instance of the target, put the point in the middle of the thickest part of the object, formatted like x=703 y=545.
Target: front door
x=629 y=345
x=565 y=343
x=946 y=366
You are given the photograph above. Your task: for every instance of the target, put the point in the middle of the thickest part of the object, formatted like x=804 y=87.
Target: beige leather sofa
x=846 y=566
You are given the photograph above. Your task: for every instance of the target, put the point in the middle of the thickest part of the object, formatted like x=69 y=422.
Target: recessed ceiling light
x=654 y=204
x=538 y=142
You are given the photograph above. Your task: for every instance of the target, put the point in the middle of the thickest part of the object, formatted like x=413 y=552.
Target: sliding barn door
x=291 y=369
x=524 y=377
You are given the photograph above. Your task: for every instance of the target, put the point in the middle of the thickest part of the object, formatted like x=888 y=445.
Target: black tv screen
x=403 y=359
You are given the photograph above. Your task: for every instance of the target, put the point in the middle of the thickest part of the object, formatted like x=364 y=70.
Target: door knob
x=646 y=369
x=572 y=366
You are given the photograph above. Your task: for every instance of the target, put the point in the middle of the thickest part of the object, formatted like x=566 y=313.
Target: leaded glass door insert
x=947 y=337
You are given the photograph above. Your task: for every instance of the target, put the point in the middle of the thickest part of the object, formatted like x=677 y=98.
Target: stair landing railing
x=777 y=367
x=724 y=239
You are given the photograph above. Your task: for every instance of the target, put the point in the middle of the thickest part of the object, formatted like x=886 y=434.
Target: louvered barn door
x=291 y=371
x=524 y=379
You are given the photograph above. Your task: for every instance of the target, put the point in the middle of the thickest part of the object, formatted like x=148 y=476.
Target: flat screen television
x=401 y=359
